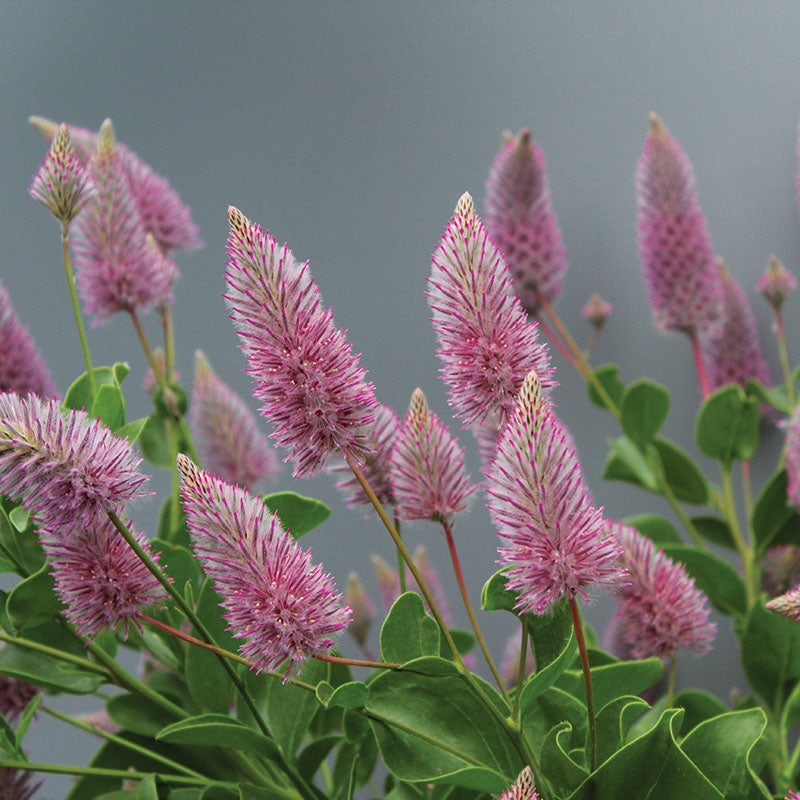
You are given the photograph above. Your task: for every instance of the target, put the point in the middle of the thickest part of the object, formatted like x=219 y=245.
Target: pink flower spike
x=363 y=609
x=427 y=467
x=521 y=221
x=661 y=609
x=674 y=245
x=14 y=696
x=388 y=582
x=522 y=789
x=734 y=354
x=431 y=579
x=792 y=796
x=226 y=431
x=99 y=578
x=283 y=606
x=557 y=542
x=65 y=468
x=22 y=368
x=787 y=604
x=62 y=183
x=118 y=268
x=486 y=343
x=304 y=372
x=791 y=454
x=776 y=283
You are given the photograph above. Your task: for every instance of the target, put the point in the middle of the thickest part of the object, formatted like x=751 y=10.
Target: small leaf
x=547 y=675
x=408 y=632
x=33 y=600
x=626 y=463
x=608 y=377
x=715 y=529
x=20 y=518
x=136 y=714
x=132 y=430
x=27 y=717
x=297 y=514
x=614 y=720
x=495 y=596
x=775 y=397
x=560 y=770
x=109 y=406
x=79 y=395
x=549 y=633
x=658 y=529
x=154 y=443
x=215 y=730
x=698 y=706
x=48 y=673
x=348 y=695
x=772 y=513
x=727 y=425
x=681 y=473
x=644 y=410
x=612 y=681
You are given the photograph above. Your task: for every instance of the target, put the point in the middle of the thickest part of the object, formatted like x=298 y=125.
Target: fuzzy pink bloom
x=596 y=311
x=66 y=469
x=558 y=543
x=17 y=784
x=522 y=789
x=661 y=609
x=509 y=666
x=363 y=609
x=163 y=213
x=427 y=467
x=376 y=464
x=226 y=431
x=118 y=267
x=62 y=183
x=486 y=343
x=776 y=283
x=14 y=696
x=284 y=607
x=734 y=354
x=521 y=222
x=780 y=569
x=787 y=604
x=388 y=582
x=22 y=368
x=304 y=372
x=99 y=578
x=791 y=454
x=674 y=245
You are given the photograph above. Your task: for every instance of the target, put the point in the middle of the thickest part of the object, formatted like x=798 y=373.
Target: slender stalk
x=748 y=491
x=671 y=682
x=448 y=532
x=699 y=365
x=354 y=662
x=174 y=505
x=745 y=553
x=169 y=342
x=553 y=338
x=53 y=652
x=189 y=441
x=62 y=769
x=587 y=680
x=158 y=373
x=780 y=332
x=76 y=309
x=523 y=661
x=401 y=567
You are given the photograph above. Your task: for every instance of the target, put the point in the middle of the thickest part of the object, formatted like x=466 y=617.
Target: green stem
x=748 y=491
x=587 y=680
x=169 y=342
x=29 y=644
x=189 y=441
x=671 y=682
x=158 y=373
x=523 y=662
x=174 y=507
x=745 y=553
x=401 y=567
x=62 y=769
x=784 y=356
x=76 y=309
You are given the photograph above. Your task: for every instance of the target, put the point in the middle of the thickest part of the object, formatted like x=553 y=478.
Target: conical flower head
x=376 y=463
x=787 y=604
x=522 y=789
x=304 y=372
x=521 y=222
x=674 y=245
x=791 y=454
x=226 y=431
x=733 y=354
x=427 y=467
x=388 y=582
x=485 y=341
x=163 y=213
x=65 y=468
x=22 y=368
x=275 y=599
x=661 y=609
x=62 y=183
x=776 y=283
x=118 y=268
x=557 y=542
x=100 y=579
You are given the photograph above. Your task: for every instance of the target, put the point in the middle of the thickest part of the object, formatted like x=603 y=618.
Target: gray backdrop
x=350 y=130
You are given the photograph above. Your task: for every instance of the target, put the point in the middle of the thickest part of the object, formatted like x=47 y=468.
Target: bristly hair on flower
x=661 y=608
x=283 y=606
x=62 y=183
x=65 y=468
x=522 y=789
x=485 y=342
x=557 y=541
x=521 y=221
x=304 y=372
x=22 y=368
x=426 y=469
x=100 y=579
x=226 y=431
x=787 y=604
x=674 y=245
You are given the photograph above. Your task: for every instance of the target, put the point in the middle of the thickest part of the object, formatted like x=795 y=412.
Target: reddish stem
x=698 y=362
x=587 y=679
x=556 y=341
x=354 y=662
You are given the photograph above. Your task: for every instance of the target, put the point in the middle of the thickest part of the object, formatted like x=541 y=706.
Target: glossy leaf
x=33 y=600
x=495 y=596
x=681 y=473
x=547 y=675
x=215 y=730
x=563 y=773
x=698 y=706
x=109 y=406
x=297 y=514
x=136 y=714
x=549 y=633
x=715 y=529
x=644 y=410
x=614 y=720
x=538 y=716
x=727 y=425
x=408 y=632
x=132 y=430
x=79 y=394
x=611 y=681
x=658 y=529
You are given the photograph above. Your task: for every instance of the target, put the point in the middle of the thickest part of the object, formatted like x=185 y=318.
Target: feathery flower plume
x=22 y=368
x=388 y=582
x=522 y=789
x=376 y=464
x=62 y=183
x=431 y=579
x=733 y=354
x=596 y=311
x=486 y=343
x=226 y=431
x=426 y=469
x=780 y=569
x=363 y=609
x=303 y=369
x=661 y=609
x=14 y=696
x=791 y=454
x=674 y=245
x=65 y=468
x=118 y=268
x=162 y=211
x=284 y=607
x=521 y=222
x=99 y=578
x=776 y=283
x=787 y=604
x=558 y=543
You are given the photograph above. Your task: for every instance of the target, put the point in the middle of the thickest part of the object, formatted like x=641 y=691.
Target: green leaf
x=644 y=410
x=681 y=473
x=33 y=601
x=612 y=681
x=772 y=514
x=175 y=535
x=722 y=747
x=79 y=394
x=21 y=544
x=614 y=720
x=27 y=717
x=20 y=518
x=658 y=529
x=348 y=695
x=408 y=632
x=549 y=633
x=716 y=577
x=297 y=514
x=548 y=674
x=215 y=730
x=308 y=762
x=608 y=377
x=775 y=397
x=551 y=708
x=495 y=596
x=109 y=406
x=137 y=714
x=727 y=425
x=562 y=772
x=626 y=463
x=715 y=529
x=132 y=430
x=144 y=789
x=432 y=727
x=698 y=706
x=49 y=673
x=154 y=442
x=179 y=562
x=464 y=642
